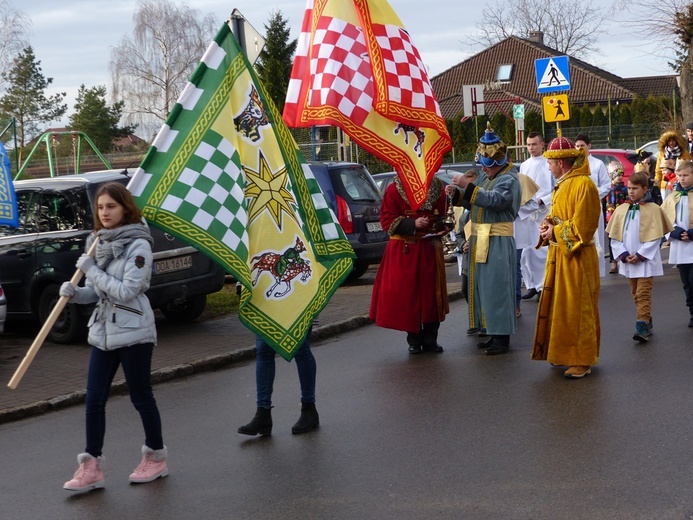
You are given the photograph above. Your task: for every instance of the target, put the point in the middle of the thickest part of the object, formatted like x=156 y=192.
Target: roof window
x=505 y=72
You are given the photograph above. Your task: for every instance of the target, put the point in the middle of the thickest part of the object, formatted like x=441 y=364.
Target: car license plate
x=372 y=227
x=170 y=265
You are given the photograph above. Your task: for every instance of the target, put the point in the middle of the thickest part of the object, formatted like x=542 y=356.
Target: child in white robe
x=679 y=212
x=636 y=229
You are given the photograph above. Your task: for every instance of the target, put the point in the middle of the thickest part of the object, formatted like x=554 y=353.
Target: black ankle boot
x=486 y=343
x=429 y=337
x=308 y=420
x=261 y=423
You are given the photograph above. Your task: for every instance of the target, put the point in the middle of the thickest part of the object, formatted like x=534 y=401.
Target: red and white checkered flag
x=356 y=68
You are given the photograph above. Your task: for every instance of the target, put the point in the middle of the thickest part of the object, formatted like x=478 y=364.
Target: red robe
x=410 y=287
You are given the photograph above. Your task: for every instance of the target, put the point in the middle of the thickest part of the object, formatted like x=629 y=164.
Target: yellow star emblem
x=267 y=190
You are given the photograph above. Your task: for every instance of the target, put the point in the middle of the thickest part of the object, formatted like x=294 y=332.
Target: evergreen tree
x=96 y=119
x=25 y=98
x=276 y=59
x=598 y=116
x=585 y=117
x=533 y=122
x=637 y=108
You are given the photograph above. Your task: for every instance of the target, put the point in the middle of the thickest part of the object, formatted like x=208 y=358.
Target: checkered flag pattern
x=356 y=68
x=199 y=179
x=407 y=80
x=209 y=193
x=342 y=73
x=327 y=218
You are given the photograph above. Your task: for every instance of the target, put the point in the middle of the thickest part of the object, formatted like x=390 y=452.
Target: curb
x=170 y=373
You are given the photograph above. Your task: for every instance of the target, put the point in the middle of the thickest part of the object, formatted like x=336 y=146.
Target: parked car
x=445 y=174
x=355 y=200
x=651 y=147
x=628 y=158
x=55 y=216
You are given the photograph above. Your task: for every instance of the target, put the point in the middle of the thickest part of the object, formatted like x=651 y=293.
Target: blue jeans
x=136 y=362
x=265 y=369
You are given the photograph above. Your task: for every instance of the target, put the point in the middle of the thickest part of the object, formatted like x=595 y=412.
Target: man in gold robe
x=567 y=331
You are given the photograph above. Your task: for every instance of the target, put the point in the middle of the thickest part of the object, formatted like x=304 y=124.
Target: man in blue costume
x=494 y=200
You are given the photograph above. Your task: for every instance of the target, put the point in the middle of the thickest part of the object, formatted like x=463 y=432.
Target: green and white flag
x=225 y=175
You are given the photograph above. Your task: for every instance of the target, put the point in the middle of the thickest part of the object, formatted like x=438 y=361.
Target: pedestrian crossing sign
x=553 y=74
x=556 y=108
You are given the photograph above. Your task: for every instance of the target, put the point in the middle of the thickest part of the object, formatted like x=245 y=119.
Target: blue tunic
x=492 y=283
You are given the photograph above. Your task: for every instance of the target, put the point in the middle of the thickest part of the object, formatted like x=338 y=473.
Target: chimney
x=536 y=37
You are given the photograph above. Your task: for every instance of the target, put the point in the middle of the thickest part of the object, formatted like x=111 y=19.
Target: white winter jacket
x=123 y=315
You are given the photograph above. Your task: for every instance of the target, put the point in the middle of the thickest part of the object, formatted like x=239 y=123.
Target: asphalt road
x=453 y=436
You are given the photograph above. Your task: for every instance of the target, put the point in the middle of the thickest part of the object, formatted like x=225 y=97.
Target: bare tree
x=150 y=70
x=15 y=27
x=669 y=26
x=568 y=26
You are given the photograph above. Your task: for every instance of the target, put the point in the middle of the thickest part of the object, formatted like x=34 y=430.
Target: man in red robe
x=410 y=291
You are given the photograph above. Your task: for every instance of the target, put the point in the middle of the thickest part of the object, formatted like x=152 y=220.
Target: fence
x=66 y=165
x=323 y=144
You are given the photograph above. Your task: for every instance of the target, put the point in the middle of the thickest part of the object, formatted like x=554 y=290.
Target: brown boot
x=576 y=372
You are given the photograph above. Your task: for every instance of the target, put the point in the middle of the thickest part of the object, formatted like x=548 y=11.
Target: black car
x=355 y=200
x=56 y=217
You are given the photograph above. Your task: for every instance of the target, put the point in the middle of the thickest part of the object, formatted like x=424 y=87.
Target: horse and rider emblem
x=283 y=267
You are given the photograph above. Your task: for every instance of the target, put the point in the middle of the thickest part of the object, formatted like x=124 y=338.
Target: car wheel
x=359 y=270
x=70 y=327
x=185 y=309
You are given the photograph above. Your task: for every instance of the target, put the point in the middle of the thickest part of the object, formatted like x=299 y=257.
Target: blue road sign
x=553 y=74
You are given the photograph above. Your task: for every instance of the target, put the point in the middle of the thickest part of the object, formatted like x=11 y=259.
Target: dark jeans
x=265 y=369
x=518 y=280
x=136 y=362
x=686 y=273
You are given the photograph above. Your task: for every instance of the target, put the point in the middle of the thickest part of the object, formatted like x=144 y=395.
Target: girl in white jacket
x=122 y=332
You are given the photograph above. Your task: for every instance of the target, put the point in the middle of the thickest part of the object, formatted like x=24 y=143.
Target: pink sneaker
x=88 y=476
x=152 y=467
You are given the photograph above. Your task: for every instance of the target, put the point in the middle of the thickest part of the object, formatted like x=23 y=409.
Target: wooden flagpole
x=46 y=328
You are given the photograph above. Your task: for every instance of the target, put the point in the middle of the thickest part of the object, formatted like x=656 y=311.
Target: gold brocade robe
x=567 y=329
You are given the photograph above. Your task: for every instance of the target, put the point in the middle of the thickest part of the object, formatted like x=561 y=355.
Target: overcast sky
x=73 y=39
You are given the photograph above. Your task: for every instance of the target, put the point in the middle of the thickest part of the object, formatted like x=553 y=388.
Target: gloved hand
x=85 y=262
x=67 y=289
x=676 y=233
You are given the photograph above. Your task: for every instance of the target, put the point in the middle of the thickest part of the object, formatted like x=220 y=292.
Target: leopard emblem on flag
x=419 y=134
